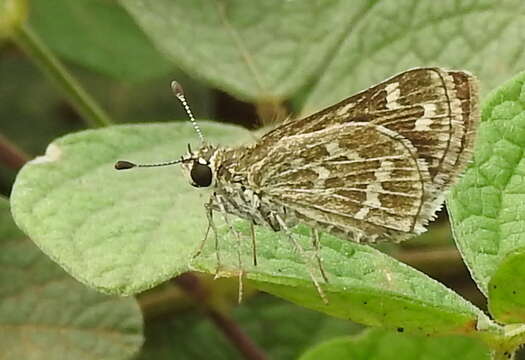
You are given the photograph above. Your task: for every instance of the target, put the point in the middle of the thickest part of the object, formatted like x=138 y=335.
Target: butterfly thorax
x=233 y=194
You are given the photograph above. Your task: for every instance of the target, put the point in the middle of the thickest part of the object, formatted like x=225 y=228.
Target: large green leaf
x=477 y=35
x=383 y=345
x=268 y=50
x=365 y=285
x=487 y=206
x=105 y=38
x=256 y=50
x=123 y=232
x=120 y=232
x=45 y=314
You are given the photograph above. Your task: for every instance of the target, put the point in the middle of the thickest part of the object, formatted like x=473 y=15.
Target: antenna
x=179 y=93
x=124 y=165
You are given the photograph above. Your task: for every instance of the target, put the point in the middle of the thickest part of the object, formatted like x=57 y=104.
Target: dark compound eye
x=201 y=174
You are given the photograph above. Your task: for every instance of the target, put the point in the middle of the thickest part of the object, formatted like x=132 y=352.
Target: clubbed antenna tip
x=124 y=165
x=177 y=89
x=179 y=93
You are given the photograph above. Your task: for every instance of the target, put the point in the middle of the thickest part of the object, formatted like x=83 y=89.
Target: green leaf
x=293 y=329
x=123 y=232
x=44 y=314
x=105 y=38
x=119 y=232
x=269 y=50
x=477 y=35
x=382 y=345
x=487 y=206
x=506 y=291
x=262 y=50
x=365 y=285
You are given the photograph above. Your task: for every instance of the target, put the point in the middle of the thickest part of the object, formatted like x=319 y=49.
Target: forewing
x=351 y=178
x=434 y=109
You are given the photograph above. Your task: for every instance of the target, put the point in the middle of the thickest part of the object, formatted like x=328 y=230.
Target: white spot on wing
x=392 y=94
x=343 y=110
x=53 y=153
x=383 y=173
x=322 y=172
x=362 y=213
x=333 y=148
x=423 y=123
x=372 y=195
x=430 y=110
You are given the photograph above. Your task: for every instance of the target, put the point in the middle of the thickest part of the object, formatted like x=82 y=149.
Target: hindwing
x=357 y=179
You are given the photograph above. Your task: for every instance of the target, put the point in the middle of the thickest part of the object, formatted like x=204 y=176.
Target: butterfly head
x=199 y=166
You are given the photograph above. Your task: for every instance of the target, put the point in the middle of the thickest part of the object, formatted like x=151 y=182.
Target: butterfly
x=374 y=166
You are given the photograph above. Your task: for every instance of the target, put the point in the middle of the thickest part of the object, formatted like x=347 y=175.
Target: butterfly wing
x=434 y=109
x=354 y=179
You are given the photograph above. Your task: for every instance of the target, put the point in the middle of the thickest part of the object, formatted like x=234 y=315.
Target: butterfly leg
x=203 y=242
x=220 y=204
x=306 y=259
x=254 y=246
x=316 y=244
x=211 y=226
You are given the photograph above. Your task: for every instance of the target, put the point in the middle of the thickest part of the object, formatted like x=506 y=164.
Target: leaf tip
x=53 y=153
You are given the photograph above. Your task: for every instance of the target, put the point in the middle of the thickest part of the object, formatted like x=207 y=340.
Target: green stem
x=83 y=103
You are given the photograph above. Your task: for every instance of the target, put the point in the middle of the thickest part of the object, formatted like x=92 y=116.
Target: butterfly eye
x=201 y=174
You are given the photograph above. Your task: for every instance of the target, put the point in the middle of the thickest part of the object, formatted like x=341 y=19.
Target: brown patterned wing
x=354 y=179
x=434 y=109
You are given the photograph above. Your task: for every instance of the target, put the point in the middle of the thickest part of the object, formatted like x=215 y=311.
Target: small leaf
x=383 y=345
x=486 y=207
x=507 y=290
x=44 y=314
x=106 y=38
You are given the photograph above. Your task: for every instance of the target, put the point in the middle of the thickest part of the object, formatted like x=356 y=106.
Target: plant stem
x=231 y=330
x=83 y=103
x=11 y=155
